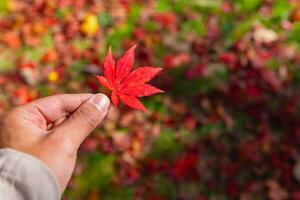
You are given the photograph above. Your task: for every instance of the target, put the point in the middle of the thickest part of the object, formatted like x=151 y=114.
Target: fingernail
x=100 y=101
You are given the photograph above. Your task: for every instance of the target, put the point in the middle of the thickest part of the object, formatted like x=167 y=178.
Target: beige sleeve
x=23 y=177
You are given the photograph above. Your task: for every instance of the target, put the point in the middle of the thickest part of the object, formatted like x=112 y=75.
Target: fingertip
x=101 y=102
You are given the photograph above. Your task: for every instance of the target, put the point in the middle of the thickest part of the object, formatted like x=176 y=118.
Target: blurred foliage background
x=228 y=126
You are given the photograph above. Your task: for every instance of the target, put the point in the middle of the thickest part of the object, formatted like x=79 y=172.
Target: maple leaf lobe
x=132 y=102
x=125 y=64
x=142 y=90
x=104 y=82
x=109 y=67
x=114 y=98
x=140 y=76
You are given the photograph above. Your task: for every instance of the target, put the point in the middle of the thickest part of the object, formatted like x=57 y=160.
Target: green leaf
x=123 y=130
x=118 y=193
x=180 y=5
x=125 y=31
x=47 y=41
x=166 y=145
x=165 y=187
x=212 y=6
x=44 y=90
x=273 y=64
x=242 y=29
x=294 y=35
x=197 y=26
x=99 y=173
x=227 y=30
x=281 y=9
x=296 y=77
x=7 y=61
x=76 y=69
x=155 y=104
x=134 y=14
x=119 y=35
x=105 y=19
x=210 y=128
x=82 y=43
x=163 y=6
x=32 y=53
x=3 y=5
x=61 y=13
x=149 y=26
x=248 y=5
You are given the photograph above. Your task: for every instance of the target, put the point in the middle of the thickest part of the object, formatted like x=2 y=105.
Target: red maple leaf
x=127 y=85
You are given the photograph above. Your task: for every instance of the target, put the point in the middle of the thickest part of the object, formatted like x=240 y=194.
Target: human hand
x=52 y=129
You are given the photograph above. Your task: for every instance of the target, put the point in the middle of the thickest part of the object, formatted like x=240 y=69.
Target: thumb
x=84 y=120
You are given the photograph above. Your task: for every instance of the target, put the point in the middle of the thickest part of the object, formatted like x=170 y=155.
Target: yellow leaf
x=90 y=25
x=53 y=77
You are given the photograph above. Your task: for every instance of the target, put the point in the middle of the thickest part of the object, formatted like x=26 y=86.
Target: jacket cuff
x=25 y=177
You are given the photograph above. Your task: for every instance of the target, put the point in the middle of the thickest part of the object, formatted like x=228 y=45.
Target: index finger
x=54 y=107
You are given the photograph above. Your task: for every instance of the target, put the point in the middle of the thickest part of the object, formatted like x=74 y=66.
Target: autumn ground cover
x=228 y=124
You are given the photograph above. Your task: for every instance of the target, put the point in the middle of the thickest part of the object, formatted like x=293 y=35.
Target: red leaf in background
x=127 y=85
x=166 y=20
x=12 y=40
